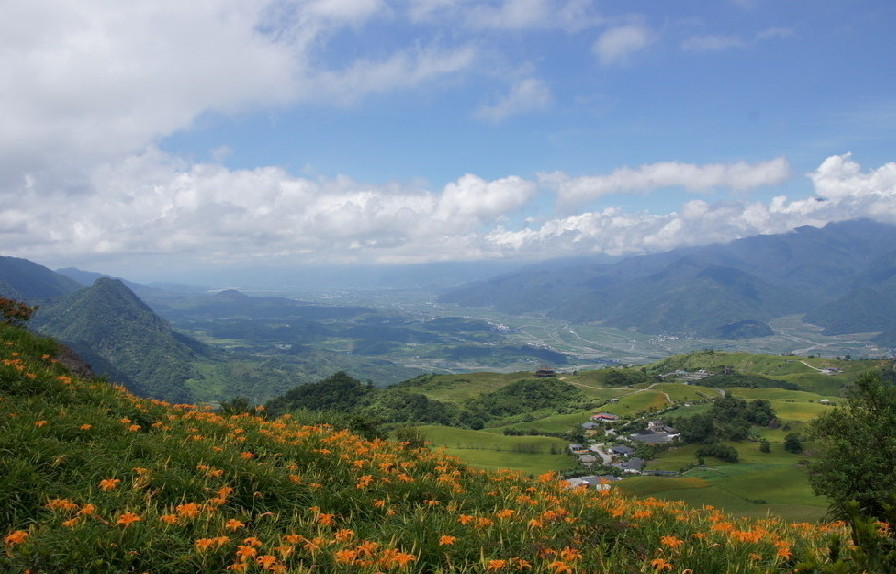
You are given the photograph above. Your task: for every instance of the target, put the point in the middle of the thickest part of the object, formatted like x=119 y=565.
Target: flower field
x=94 y=479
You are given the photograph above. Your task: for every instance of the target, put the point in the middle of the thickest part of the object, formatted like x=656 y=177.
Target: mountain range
x=842 y=277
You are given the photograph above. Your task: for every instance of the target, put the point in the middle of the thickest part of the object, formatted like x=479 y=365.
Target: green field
x=532 y=455
x=761 y=483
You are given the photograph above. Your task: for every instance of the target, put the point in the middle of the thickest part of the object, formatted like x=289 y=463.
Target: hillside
x=725 y=291
x=95 y=480
x=27 y=281
x=123 y=339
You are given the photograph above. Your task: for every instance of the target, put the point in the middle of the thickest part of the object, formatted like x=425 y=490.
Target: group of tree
x=729 y=418
x=623 y=377
x=741 y=380
x=341 y=393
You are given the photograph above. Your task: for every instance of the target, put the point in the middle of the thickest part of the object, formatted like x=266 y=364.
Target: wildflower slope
x=94 y=479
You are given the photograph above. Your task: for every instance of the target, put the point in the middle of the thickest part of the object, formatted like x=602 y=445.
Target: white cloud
x=96 y=81
x=738 y=176
x=842 y=191
x=154 y=203
x=841 y=180
x=528 y=95
x=343 y=10
x=775 y=33
x=572 y=15
x=404 y=69
x=615 y=45
x=712 y=43
x=718 y=43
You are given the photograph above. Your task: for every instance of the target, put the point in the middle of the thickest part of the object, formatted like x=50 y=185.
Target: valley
x=587 y=345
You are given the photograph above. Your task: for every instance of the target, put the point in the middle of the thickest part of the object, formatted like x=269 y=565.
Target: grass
x=531 y=455
x=759 y=484
x=551 y=424
x=637 y=402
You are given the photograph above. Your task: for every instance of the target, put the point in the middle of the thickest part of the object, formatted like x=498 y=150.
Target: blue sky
x=151 y=136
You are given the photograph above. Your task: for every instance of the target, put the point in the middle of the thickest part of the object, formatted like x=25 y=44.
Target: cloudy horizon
x=407 y=131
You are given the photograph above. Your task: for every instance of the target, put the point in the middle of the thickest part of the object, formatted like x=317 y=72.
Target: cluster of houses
x=620 y=454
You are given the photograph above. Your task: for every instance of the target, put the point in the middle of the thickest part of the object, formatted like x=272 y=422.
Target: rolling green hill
x=96 y=480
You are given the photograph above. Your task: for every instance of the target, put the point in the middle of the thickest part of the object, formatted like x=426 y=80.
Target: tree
x=856 y=458
x=764 y=446
x=793 y=443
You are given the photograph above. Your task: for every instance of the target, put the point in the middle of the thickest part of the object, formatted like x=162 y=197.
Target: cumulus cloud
x=99 y=80
x=739 y=176
x=616 y=45
x=842 y=191
x=153 y=203
x=157 y=203
x=528 y=95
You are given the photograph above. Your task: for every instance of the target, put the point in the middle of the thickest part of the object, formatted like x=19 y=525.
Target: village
x=609 y=448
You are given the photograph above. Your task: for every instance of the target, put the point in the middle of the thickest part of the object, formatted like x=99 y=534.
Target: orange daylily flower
x=108 y=484
x=128 y=518
x=246 y=552
x=189 y=510
x=17 y=537
x=671 y=541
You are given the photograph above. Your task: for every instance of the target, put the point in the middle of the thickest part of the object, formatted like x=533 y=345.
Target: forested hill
x=120 y=336
x=840 y=274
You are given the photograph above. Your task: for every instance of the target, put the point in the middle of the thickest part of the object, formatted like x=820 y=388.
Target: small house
x=604 y=417
x=622 y=450
x=587 y=459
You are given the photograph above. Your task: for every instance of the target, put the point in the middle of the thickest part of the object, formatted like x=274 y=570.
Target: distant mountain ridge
x=719 y=291
x=27 y=281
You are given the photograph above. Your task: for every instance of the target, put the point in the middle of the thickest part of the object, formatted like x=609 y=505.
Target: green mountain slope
x=688 y=296
x=716 y=291
x=94 y=480
x=123 y=339
x=27 y=281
